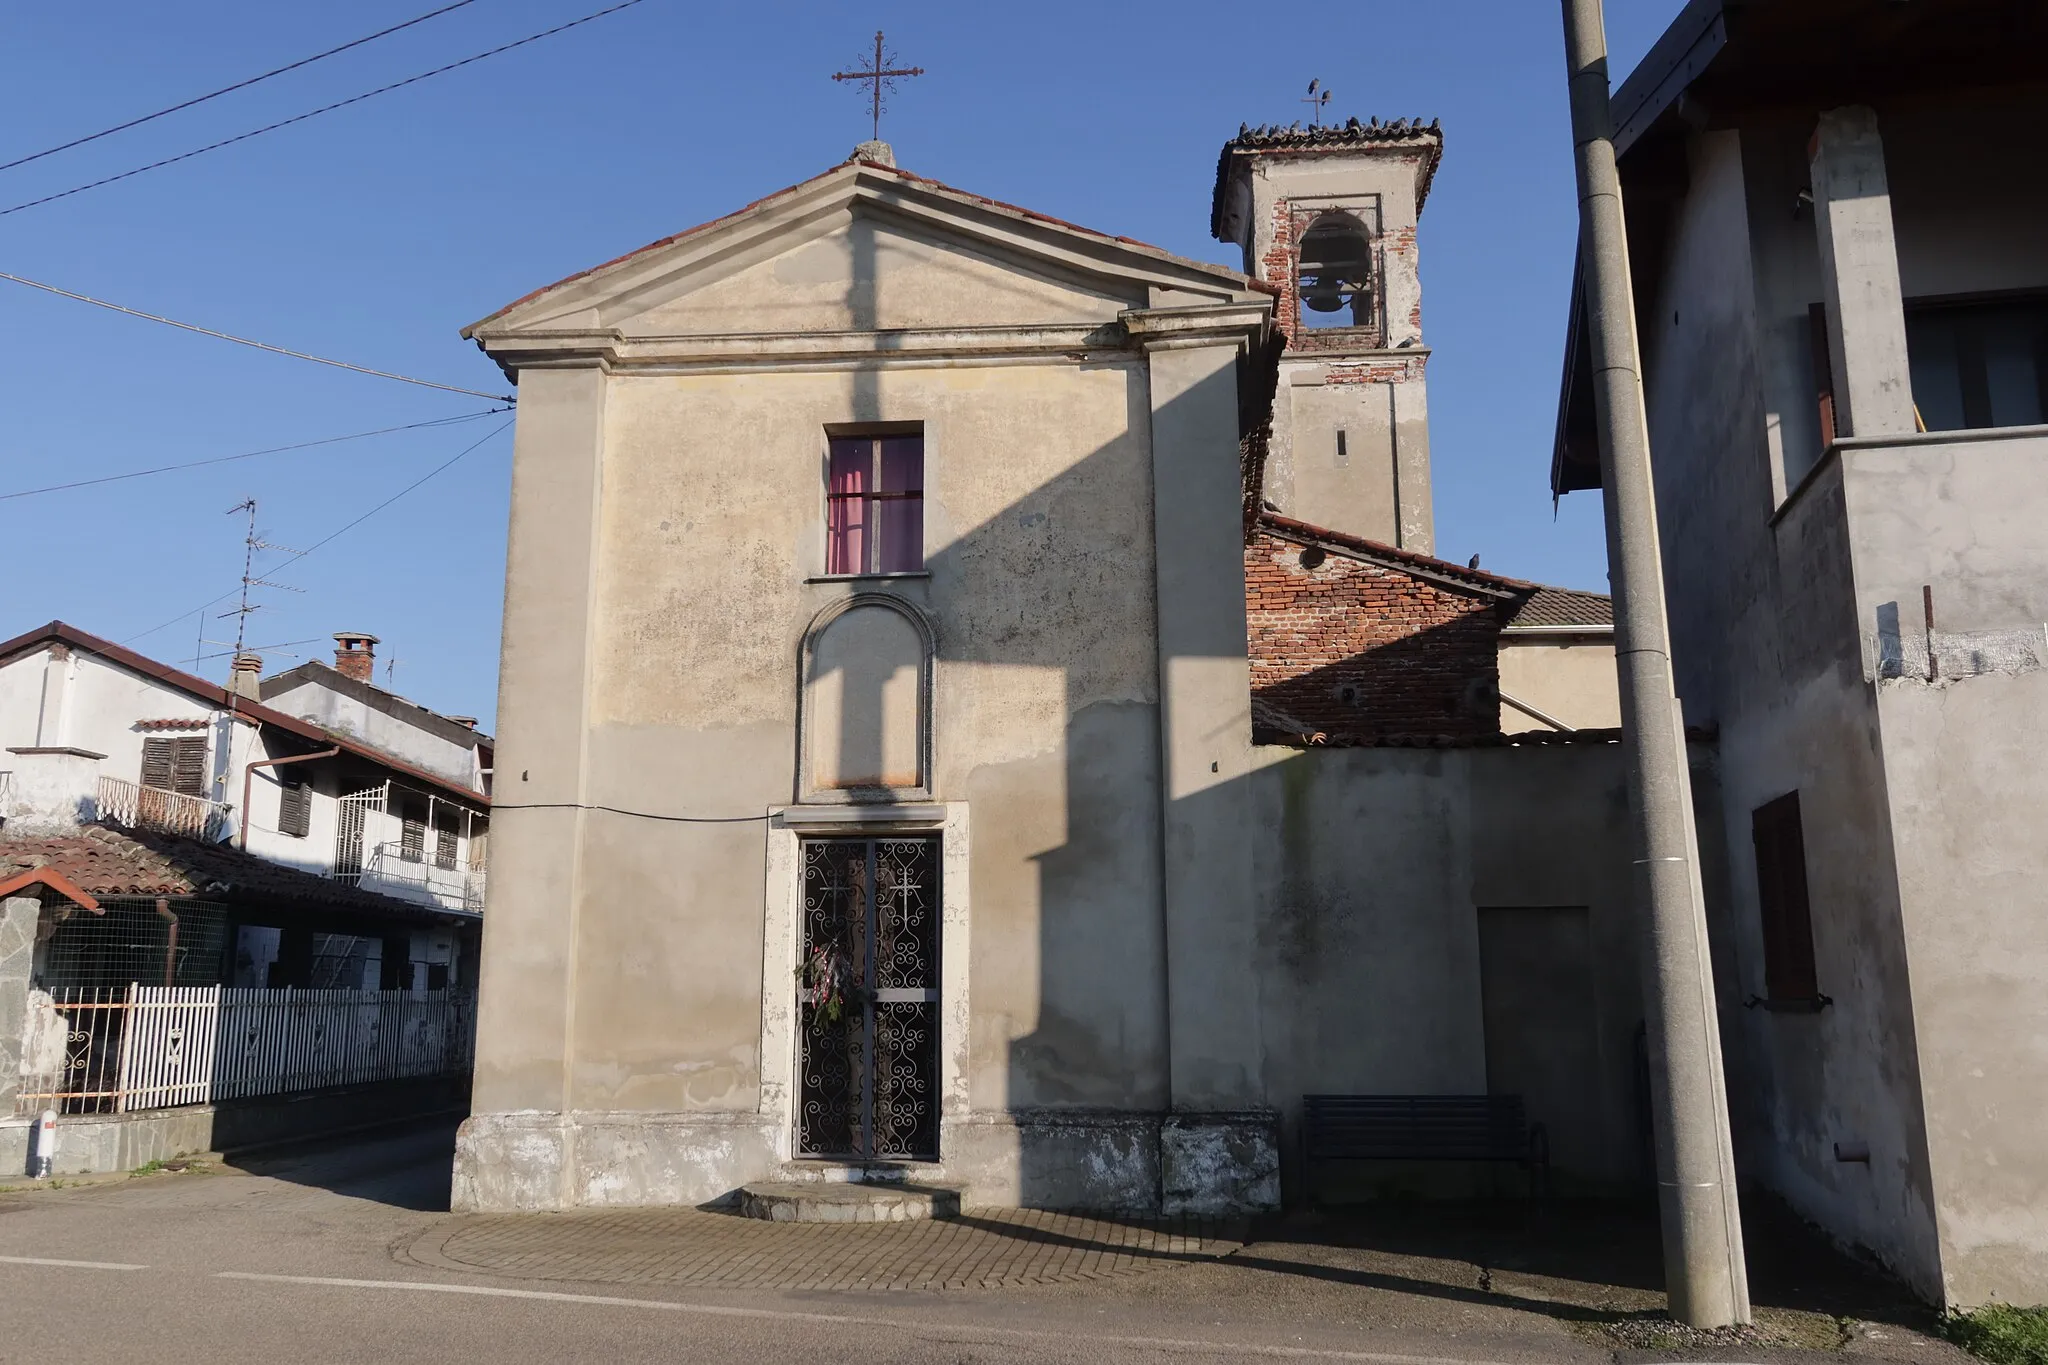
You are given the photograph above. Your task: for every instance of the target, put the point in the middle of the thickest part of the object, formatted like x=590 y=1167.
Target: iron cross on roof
x=881 y=78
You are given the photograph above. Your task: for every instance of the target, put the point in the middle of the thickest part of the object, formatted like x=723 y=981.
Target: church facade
x=978 y=705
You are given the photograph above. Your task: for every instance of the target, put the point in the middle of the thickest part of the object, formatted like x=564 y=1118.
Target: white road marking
x=69 y=1265
x=952 y=1331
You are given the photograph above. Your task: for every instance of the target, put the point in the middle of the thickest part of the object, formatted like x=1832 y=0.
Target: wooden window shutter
x=295 y=809
x=156 y=764
x=1781 y=898
x=445 y=832
x=412 y=833
x=175 y=765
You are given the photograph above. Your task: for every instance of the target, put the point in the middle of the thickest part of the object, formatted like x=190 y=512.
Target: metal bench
x=1423 y=1128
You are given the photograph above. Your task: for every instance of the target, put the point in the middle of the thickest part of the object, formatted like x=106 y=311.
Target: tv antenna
x=252 y=541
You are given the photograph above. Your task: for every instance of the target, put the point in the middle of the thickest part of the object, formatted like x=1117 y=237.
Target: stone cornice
x=613 y=351
x=1155 y=329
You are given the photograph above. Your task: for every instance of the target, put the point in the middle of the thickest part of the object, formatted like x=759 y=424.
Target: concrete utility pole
x=1704 y=1275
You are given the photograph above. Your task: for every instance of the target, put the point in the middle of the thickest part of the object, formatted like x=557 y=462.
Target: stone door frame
x=782 y=933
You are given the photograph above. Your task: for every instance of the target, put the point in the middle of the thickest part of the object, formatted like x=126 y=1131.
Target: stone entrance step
x=847 y=1201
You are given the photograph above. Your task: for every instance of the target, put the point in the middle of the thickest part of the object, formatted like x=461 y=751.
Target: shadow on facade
x=1099 y=1007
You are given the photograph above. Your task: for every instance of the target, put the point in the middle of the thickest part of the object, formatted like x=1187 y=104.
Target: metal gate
x=350 y=816
x=868 y=999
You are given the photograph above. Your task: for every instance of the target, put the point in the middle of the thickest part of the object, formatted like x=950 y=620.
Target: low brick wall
x=92 y=1143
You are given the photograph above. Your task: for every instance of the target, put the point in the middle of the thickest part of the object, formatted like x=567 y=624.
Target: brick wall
x=1363 y=651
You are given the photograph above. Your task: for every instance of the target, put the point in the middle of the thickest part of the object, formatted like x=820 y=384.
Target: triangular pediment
x=863 y=248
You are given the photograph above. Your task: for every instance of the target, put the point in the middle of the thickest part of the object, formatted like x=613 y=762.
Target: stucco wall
x=1373 y=867
x=1775 y=633
x=1967 y=803
x=387 y=733
x=1764 y=647
x=1038 y=582
x=1572 y=680
x=102 y=703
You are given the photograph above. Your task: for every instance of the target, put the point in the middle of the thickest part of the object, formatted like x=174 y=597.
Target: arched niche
x=865 y=728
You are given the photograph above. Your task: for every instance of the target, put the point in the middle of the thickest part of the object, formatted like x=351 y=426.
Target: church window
x=874 y=515
x=1781 y=901
x=1334 y=276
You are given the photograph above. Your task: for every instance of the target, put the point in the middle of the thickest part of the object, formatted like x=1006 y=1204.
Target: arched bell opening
x=1334 y=274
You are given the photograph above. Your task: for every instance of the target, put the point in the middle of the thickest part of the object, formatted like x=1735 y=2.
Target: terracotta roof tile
x=1555 y=607
x=120 y=862
x=1351 y=133
x=1345 y=543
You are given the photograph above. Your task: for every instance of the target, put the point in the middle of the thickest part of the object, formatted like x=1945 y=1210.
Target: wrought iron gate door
x=868 y=999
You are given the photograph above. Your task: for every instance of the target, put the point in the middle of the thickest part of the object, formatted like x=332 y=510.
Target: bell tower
x=1326 y=217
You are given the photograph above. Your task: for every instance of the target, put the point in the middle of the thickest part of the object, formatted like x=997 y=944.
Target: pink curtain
x=846 y=510
x=875 y=515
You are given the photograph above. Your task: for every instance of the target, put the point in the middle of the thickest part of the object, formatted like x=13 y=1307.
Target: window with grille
x=295 y=808
x=874 y=515
x=1781 y=899
x=175 y=765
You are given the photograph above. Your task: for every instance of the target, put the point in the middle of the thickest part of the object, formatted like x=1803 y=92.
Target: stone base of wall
x=89 y=1144
x=1050 y=1159
x=1220 y=1163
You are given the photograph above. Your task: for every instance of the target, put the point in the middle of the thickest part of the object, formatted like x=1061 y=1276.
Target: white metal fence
x=138 y=807
x=156 y=1047
x=416 y=875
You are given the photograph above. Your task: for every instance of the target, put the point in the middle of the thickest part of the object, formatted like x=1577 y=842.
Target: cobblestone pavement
x=982 y=1248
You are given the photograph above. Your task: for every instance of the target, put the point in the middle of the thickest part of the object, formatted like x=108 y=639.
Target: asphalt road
x=301 y=1258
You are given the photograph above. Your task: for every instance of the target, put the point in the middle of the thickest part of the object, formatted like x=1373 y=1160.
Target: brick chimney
x=245 y=676
x=355 y=654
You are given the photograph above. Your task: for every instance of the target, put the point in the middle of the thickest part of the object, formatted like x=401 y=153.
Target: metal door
x=868 y=999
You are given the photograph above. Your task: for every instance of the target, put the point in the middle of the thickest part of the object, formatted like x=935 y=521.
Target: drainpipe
x=1704 y=1275
x=249 y=774
x=163 y=907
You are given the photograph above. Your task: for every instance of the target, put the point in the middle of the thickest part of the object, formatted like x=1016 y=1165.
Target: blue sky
x=374 y=233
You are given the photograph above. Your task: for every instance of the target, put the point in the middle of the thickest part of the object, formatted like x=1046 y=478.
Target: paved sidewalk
x=347 y=1251
x=980 y=1249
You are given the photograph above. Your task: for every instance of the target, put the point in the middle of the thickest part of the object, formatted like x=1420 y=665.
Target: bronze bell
x=1323 y=294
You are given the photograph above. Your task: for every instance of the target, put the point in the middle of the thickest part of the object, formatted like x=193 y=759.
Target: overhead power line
x=228 y=89
x=315 y=113
x=259 y=345
x=248 y=455
x=298 y=555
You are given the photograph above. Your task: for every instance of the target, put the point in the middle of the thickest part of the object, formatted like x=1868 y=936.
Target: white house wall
x=102 y=704
x=333 y=710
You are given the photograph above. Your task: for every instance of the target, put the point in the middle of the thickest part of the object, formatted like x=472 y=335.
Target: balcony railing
x=139 y=807
x=420 y=875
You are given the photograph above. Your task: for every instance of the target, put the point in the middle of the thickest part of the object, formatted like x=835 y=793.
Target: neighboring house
x=257 y=849
x=345 y=700
x=1354 y=641
x=933 y=807
x=1557 y=663
x=1841 y=276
